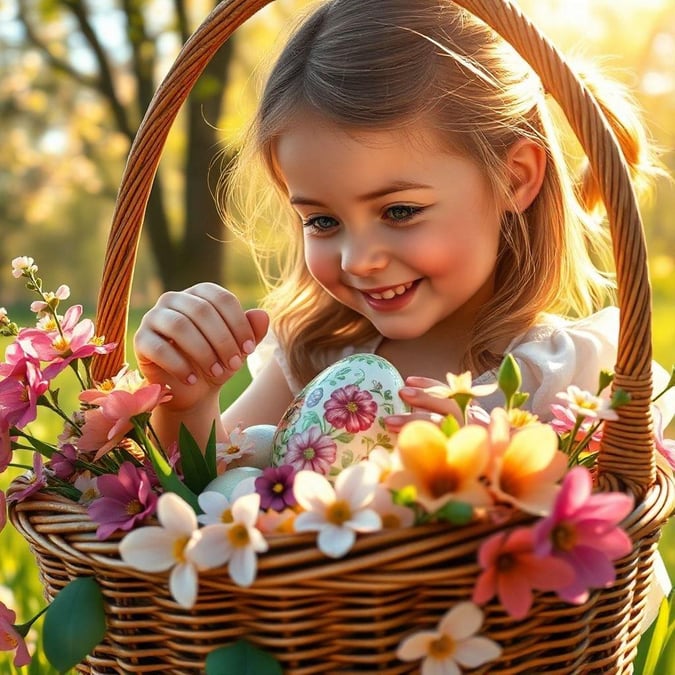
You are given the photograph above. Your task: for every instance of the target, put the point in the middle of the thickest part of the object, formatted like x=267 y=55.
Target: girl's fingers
x=394 y=423
x=418 y=399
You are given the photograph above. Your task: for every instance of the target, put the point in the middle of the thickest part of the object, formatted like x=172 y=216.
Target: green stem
x=23 y=628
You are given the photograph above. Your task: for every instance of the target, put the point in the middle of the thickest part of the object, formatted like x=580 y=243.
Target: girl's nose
x=363 y=255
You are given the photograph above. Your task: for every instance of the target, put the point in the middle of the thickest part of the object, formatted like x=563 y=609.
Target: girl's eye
x=320 y=224
x=402 y=212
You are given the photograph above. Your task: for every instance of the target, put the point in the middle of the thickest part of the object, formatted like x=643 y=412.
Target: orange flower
x=442 y=468
x=526 y=464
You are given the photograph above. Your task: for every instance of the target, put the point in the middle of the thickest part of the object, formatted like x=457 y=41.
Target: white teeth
x=391 y=292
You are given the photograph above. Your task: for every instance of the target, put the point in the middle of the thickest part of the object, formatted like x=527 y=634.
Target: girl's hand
x=195 y=340
x=424 y=406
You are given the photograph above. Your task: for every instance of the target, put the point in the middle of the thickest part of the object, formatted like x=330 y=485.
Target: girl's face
x=394 y=227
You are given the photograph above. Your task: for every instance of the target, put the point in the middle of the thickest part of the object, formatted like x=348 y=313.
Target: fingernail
x=248 y=347
x=394 y=419
x=217 y=370
x=191 y=378
x=408 y=391
x=234 y=363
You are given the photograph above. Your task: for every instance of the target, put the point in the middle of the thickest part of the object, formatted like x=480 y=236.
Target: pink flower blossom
x=665 y=446
x=512 y=570
x=582 y=531
x=62 y=462
x=76 y=340
x=351 y=408
x=10 y=638
x=311 y=450
x=20 y=392
x=61 y=293
x=36 y=481
x=126 y=499
x=23 y=265
x=5 y=445
x=105 y=426
x=564 y=421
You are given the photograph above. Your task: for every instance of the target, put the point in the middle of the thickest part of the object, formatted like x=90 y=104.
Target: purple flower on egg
x=311 y=450
x=351 y=408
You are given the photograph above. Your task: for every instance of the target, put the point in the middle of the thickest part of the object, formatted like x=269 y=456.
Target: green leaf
x=74 y=623
x=456 y=513
x=210 y=453
x=168 y=478
x=196 y=472
x=241 y=658
x=662 y=631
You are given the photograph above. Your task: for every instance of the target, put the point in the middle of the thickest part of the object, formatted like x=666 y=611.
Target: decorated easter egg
x=338 y=418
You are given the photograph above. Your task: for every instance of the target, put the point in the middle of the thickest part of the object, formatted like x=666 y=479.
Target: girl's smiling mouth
x=390 y=297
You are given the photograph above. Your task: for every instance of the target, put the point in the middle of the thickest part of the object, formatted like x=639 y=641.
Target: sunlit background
x=71 y=100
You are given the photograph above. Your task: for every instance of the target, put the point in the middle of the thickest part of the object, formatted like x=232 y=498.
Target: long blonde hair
x=384 y=65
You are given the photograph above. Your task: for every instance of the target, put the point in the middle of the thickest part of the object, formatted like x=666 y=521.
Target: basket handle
x=626 y=458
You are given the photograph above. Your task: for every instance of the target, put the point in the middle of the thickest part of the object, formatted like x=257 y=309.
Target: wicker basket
x=319 y=615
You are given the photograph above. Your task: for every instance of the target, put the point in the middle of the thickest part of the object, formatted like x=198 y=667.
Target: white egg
x=230 y=483
x=338 y=418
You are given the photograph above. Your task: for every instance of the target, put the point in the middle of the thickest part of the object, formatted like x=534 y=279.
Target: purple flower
x=582 y=530
x=311 y=450
x=275 y=487
x=126 y=499
x=63 y=461
x=350 y=408
x=36 y=481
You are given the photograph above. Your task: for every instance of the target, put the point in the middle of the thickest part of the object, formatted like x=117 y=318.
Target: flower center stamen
x=564 y=536
x=441 y=647
x=238 y=535
x=338 y=512
x=179 y=548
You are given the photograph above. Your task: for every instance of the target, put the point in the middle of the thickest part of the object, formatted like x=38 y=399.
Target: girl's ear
x=526 y=162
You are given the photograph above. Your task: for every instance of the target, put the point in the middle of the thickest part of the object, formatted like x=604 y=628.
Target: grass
x=20 y=586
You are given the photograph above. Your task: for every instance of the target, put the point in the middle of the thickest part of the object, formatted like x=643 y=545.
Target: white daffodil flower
x=337 y=513
x=453 y=645
x=167 y=546
x=583 y=403
x=236 y=542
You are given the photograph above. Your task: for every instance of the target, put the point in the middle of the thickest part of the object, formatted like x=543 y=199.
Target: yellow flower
x=442 y=468
x=526 y=464
x=461 y=385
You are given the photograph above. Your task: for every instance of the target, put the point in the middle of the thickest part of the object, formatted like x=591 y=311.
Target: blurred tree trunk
x=184 y=252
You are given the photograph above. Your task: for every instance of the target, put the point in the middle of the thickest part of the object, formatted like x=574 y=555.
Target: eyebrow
x=397 y=186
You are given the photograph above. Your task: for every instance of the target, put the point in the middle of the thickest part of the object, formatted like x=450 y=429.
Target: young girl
x=430 y=218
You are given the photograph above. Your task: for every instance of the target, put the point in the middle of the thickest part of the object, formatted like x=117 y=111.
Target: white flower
x=216 y=507
x=387 y=462
x=238 y=444
x=452 y=645
x=461 y=385
x=169 y=546
x=86 y=484
x=337 y=513
x=4 y=317
x=584 y=403
x=23 y=264
x=236 y=542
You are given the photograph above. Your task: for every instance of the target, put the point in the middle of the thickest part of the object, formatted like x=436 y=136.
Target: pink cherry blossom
x=126 y=499
x=76 y=340
x=10 y=639
x=512 y=570
x=582 y=531
x=351 y=408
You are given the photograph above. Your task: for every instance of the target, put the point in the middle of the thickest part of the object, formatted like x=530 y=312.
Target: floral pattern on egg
x=338 y=418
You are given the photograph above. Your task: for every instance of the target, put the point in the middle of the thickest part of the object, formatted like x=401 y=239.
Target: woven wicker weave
x=319 y=615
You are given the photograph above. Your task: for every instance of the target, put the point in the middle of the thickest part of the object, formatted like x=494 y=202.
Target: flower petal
x=149 y=549
x=462 y=621
x=476 y=651
x=313 y=491
x=243 y=566
x=416 y=646
x=335 y=541
x=365 y=520
x=183 y=584
x=175 y=514
x=357 y=484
